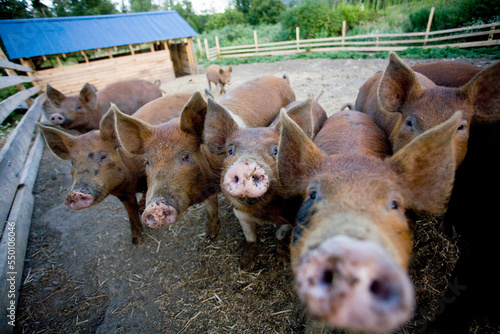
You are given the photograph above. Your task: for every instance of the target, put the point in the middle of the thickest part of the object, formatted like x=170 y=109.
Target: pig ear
x=107 y=126
x=55 y=96
x=484 y=92
x=427 y=167
x=397 y=85
x=88 y=96
x=219 y=125
x=297 y=155
x=301 y=114
x=131 y=132
x=59 y=142
x=193 y=116
x=230 y=69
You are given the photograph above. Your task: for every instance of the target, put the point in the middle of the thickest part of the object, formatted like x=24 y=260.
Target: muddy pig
x=405 y=103
x=99 y=165
x=219 y=77
x=83 y=112
x=182 y=167
x=351 y=243
x=249 y=176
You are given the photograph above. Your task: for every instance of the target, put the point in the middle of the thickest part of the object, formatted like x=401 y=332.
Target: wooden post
x=343 y=32
x=490 y=36
x=428 y=26
x=200 y=50
x=376 y=42
x=297 y=37
x=256 y=42
x=206 y=49
x=59 y=61
x=20 y=87
x=217 y=47
x=110 y=54
x=152 y=47
x=131 y=49
x=84 y=56
x=191 y=56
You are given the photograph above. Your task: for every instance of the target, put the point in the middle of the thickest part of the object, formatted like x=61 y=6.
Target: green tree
x=220 y=20
x=185 y=10
x=83 y=7
x=14 y=9
x=315 y=20
x=137 y=6
x=260 y=11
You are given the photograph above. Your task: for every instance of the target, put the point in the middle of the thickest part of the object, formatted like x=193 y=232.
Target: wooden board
x=13 y=156
x=70 y=79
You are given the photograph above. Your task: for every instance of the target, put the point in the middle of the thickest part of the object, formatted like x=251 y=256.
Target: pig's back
x=162 y=109
x=351 y=131
x=448 y=73
x=257 y=102
x=129 y=95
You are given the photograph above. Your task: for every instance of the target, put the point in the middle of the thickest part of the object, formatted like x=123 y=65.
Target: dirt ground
x=83 y=275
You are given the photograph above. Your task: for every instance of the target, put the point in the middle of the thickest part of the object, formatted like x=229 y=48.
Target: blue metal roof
x=25 y=38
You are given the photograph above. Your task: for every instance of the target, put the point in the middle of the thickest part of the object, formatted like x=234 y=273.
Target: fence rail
x=19 y=161
x=466 y=37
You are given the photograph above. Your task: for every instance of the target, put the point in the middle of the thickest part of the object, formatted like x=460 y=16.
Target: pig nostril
x=328 y=277
x=236 y=179
x=382 y=290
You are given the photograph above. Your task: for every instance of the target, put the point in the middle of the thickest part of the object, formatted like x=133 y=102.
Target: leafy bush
x=463 y=14
x=314 y=19
x=242 y=34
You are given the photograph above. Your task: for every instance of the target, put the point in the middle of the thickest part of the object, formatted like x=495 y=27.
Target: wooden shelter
x=67 y=52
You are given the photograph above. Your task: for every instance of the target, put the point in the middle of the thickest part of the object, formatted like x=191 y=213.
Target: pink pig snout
x=353 y=284
x=246 y=179
x=56 y=119
x=79 y=199
x=158 y=213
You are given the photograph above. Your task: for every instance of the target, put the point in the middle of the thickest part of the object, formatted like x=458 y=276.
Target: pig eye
x=72 y=163
x=394 y=205
x=462 y=126
x=78 y=107
x=274 y=151
x=231 y=150
x=185 y=157
x=103 y=156
x=312 y=194
x=146 y=162
x=409 y=123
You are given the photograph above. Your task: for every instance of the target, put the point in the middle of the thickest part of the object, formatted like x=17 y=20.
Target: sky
x=200 y=5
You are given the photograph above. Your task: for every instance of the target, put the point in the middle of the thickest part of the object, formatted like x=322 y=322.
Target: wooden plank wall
x=19 y=160
x=70 y=79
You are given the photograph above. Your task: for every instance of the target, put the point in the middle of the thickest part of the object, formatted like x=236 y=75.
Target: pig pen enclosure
x=83 y=275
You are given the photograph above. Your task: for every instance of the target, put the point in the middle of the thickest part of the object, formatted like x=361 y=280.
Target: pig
x=405 y=103
x=83 y=112
x=351 y=242
x=183 y=168
x=447 y=73
x=472 y=213
x=219 y=77
x=249 y=176
x=100 y=166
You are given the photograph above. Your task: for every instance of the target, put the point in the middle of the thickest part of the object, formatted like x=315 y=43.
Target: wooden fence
x=19 y=161
x=467 y=37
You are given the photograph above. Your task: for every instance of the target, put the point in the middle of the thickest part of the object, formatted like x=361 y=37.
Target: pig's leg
x=130 y=204
x=209 y=85
x=213 y=224
x=283 y=234
x=142 y=203
x=249 y=225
